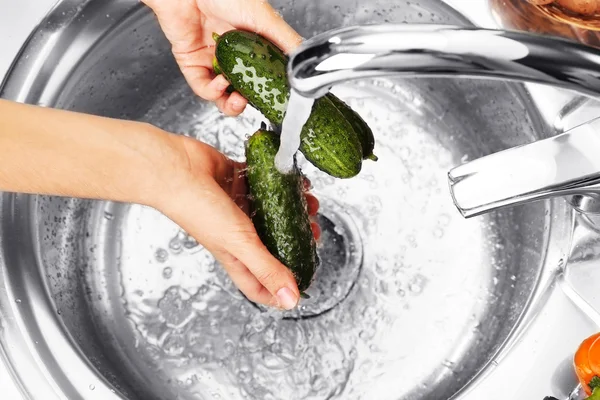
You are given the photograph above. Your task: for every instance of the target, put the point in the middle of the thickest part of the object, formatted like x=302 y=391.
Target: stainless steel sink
x=114 y=301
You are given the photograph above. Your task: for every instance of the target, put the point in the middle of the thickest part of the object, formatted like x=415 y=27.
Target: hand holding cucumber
x=210 y=202
x=189 y=25
x=273 y=258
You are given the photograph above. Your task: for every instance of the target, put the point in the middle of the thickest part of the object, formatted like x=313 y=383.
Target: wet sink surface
x=411 y=301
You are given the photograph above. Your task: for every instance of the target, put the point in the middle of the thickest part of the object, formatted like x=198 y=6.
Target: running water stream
x=298 y=111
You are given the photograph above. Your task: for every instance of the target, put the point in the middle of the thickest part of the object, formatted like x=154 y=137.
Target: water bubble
x=161 y=255
x=18 y=301
x=167 y=272
x=173 y=345
x=415 y=287
x=438 y=233
x=202 y=358
x=189 y=242
x=108 y=216
x=92 y=387
x=353 y=354
x=175 y=245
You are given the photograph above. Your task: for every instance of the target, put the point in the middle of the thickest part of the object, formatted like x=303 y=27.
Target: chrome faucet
x=564 y=165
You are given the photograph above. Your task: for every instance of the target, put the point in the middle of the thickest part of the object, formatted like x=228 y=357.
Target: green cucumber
x=216 y=67
x=364 y=132
x=279 y=209
x=256 y=68
x=329 y=142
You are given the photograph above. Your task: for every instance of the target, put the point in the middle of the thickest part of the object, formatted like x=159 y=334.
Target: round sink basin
x=411 y=301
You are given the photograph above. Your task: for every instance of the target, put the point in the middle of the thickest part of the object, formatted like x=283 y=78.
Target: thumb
x=272 y=274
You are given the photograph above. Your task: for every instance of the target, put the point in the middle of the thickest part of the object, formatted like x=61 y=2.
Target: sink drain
x=341 y=254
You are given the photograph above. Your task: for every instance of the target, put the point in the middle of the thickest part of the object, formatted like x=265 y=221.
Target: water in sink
x=407 y=287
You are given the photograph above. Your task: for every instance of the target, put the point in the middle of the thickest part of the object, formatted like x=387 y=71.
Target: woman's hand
x=211 y=204
x=189 y=25
x=63 y=153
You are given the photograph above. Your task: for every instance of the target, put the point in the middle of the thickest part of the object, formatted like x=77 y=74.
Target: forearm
x=56 y=152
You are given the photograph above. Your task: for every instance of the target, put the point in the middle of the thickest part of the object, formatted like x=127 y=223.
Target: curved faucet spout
x=561 y=166
x=441 y=50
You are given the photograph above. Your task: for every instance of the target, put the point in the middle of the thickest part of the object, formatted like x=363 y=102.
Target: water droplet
x=173 y=346
x=18 y=301
x=415 y=287
x=189 y=242
x=108 y=216
x=161 y=255
x=175 y=245
x=167 y=272
x=92 y=387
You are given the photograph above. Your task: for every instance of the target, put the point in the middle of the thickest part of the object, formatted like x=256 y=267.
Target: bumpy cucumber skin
x=256 y=68
x=279 y=212
x=362 y=129
x=329 y=142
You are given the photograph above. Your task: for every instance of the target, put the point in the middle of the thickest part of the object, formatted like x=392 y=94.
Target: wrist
x=165 y=167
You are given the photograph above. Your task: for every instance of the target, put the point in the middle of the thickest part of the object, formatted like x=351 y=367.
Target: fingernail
x=286 y=298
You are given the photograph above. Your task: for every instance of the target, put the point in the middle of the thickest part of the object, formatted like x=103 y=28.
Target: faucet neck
x=441 y=51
